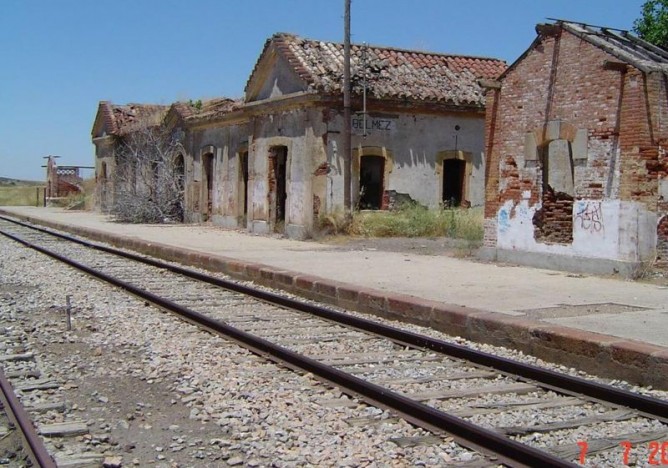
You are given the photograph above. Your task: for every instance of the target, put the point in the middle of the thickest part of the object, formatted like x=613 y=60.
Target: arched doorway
x=372 y=175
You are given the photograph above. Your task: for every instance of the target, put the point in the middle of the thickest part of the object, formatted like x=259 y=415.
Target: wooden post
x=68 y=310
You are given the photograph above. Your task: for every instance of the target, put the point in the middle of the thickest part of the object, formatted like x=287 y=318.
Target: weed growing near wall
x=409 y=221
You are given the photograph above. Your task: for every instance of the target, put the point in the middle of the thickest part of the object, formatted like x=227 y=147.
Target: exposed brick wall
x=563 y=78
x=515 y=182
x=636 y=141
x=491 y=168
x=553 y=222
x=662 y=243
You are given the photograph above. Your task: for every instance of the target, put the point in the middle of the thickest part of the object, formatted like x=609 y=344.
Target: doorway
x=207 y=166
x=278 y=156
x=243 y=187
x=372 y=170
x=454 y=171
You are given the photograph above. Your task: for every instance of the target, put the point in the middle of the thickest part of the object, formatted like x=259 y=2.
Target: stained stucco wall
x=301 y=132
x=224 y=142
x=413 y=144
x=104 y=159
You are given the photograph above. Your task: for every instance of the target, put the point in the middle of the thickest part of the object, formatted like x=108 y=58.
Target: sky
x=59 y=58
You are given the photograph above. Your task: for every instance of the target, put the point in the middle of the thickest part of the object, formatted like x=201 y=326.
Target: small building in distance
x=576 y=139
x=62 y=181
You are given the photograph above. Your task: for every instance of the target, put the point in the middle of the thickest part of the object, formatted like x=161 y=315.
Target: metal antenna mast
x=364 y=57
x=347 y=143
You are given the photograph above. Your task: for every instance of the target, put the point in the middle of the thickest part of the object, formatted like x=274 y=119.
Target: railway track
x=23 y=445
x=434 y=384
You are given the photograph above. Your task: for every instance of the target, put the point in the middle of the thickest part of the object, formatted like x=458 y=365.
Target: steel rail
x=35 y=448
x=552 y=379
x=515 y=453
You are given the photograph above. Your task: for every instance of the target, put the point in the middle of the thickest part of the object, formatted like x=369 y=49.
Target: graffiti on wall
x=504 y=220
x=589 y=216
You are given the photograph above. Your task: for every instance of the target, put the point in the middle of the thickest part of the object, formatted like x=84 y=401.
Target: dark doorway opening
x=207 y=165
x=243 y=186
x=453 y=181
x=180 y=173
x=278 y=156
x=372 y=171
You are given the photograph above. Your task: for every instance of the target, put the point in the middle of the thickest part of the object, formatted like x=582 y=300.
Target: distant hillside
x=7 y=182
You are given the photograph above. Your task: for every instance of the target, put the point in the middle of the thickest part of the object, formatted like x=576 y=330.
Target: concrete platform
x=609 y=327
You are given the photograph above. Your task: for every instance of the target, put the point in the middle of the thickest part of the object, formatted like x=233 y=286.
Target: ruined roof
x=390 y=73
x=210 y=109
x=129 y=116
x=119 y=119
x=621 y=44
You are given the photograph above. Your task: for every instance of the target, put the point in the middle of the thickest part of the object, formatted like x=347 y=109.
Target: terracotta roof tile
x=390 y=73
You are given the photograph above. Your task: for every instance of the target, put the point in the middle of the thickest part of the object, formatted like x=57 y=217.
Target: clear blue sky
x=58 y=58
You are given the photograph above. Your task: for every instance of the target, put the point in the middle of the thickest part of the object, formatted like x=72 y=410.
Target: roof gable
x=104 y=121
x=387 y=72
x=273 y=76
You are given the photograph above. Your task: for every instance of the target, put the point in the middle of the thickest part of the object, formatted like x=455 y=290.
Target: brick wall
x=662 y=243
x=564 y=78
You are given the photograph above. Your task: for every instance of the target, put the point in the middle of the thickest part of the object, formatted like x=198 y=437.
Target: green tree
x=652 y=26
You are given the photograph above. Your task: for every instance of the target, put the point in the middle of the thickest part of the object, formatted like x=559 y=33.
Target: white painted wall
x=610 y=229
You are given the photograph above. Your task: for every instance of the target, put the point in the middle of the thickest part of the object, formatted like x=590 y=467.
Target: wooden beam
x=489 y=84
x=548 y=29
x=616 y=66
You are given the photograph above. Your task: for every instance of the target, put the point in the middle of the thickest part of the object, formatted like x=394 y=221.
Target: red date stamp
x=657 y=452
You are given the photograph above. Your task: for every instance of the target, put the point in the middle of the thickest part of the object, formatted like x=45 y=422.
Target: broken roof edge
x=612 y=45
x=584 y=36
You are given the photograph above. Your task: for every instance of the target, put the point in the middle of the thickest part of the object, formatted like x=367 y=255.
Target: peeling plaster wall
x=610 y=229
x=226 y=142
x=104 y=155
x=296 y=130
x=413 y=141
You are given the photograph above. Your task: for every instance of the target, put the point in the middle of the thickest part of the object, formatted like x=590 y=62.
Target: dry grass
x=22 y=195
x=408 y=221
x=416 y=221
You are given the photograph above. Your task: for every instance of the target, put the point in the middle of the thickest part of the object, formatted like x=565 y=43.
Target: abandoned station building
x=273 y=161
x=576 y=140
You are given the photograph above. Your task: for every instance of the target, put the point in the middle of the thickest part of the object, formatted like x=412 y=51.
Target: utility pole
x=347 y=143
